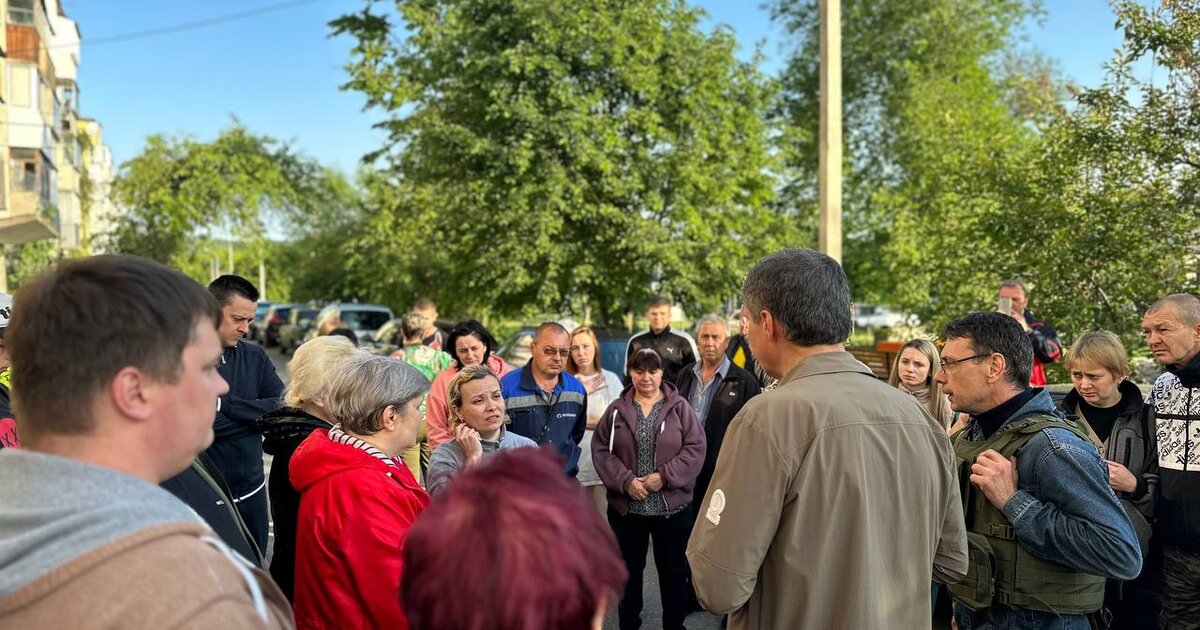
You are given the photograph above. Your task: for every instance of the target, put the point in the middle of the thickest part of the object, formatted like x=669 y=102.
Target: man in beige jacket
x=835 y=498
x=116 y=357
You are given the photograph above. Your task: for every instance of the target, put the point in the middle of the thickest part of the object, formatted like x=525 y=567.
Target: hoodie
x=85 y=546
x=355 y=513
x=678 y=448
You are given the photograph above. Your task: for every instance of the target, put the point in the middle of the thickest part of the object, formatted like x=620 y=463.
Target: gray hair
x=367 y=385
x=1187 y=306
x=1016 y=283
x=805 y=291
x=713 y=319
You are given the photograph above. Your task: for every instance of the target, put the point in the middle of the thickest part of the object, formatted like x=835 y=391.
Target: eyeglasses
x=947 y=364
x=550 y=351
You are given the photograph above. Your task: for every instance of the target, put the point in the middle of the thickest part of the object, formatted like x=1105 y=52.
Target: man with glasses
x=545 y=403
x=1043 y=526
x=834 y=499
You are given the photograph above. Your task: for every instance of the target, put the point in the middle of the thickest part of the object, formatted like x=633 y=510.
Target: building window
x=24 y=170
x=21 y=85
x=20 y=11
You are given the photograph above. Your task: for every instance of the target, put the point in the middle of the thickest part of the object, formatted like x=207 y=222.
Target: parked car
x=260 y=310
x=300 y=320
x=364 y=319
x=875 y=316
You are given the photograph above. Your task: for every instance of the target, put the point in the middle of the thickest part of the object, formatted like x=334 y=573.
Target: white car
x=874 y=316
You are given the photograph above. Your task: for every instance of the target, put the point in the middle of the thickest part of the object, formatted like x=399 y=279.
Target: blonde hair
x=936 y=405
x=454 y=391
x=312 y=365
x=1102 y=348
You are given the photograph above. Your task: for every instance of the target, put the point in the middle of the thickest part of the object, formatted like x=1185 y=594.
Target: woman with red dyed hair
x=546 y=562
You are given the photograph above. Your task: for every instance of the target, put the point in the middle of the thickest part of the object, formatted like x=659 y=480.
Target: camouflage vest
x=1002 y=572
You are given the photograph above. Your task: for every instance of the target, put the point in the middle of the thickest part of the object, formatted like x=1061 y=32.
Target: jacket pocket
x=977 y=589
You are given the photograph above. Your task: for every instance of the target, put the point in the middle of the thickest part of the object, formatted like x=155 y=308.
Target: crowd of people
x=777 y=480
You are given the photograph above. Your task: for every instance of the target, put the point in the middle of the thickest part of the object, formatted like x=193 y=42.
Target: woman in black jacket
x=312 y=367
x=1112 y=408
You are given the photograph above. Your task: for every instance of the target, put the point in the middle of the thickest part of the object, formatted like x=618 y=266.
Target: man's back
x=837 y=498
x=83 y=546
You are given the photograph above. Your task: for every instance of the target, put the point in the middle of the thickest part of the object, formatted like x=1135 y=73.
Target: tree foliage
x=541 y=156
x=967 y=163
x=186 y=199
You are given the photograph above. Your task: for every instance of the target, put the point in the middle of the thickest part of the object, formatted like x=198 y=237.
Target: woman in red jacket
x=648 y=449
x=356 y=501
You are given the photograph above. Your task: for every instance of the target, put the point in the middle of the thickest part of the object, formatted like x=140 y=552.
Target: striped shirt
x=341 y=437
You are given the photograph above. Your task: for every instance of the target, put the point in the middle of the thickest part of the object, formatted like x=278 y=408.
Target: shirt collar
x=722 y=370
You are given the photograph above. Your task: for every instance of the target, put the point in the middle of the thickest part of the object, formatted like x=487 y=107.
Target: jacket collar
x=825 y=363
x=530 y=384
x=1189 y=375
x=1131 y=398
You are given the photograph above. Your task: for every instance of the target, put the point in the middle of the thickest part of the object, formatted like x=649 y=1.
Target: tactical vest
x=1001 y=571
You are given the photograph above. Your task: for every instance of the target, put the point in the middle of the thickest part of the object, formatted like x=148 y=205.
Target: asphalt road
x=652 y=611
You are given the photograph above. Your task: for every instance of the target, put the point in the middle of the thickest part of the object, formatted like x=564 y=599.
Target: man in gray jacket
x=834 y=499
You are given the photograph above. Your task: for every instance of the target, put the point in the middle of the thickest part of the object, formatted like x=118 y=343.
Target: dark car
x=268 y=326
x=260 y=310
x=300 y=320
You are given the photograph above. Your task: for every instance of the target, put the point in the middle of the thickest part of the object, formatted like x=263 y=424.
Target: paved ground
x=651 y=614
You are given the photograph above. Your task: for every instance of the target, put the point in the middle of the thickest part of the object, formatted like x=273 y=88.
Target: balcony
x=31 y=215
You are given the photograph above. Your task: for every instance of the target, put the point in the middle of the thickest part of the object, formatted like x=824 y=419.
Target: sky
x=279 y=72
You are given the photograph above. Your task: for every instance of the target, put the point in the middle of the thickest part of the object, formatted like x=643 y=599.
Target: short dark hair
x=553 y=327
x=530 y=511
x=998 y=333
x=657 y=301
x=805 y=291
x=342 y=331
x=470 y=327
x=74 y=327
x=227 y=286
x=644 y=359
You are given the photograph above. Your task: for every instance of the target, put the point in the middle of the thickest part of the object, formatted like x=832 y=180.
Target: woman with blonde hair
x=913 y=372
x=1111 y=408
x=311 y=367
x=602 y=387
x=477 y=423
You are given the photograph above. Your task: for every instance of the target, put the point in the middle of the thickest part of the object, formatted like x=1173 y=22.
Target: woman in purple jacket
x=648 y=449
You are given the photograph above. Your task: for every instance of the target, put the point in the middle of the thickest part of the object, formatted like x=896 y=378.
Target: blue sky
x=279 y=72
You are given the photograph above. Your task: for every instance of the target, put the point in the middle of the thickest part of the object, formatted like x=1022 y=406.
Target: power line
x=179 y=28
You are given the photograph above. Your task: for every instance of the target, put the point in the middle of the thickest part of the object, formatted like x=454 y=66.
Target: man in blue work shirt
x=545 y=403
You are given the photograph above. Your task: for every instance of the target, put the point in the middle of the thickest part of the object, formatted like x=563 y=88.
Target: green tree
x=935 y=108
x=540 y=156
x=185 y=199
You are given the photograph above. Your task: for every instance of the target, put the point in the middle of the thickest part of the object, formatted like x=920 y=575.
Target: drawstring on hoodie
x=612 y=431
x=243 y=568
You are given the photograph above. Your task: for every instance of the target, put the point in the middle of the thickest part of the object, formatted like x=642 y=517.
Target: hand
x=1120 y=479
x=996 y=476
x=636 y=489
x=1020 y=317
x=653 y=482
x=468 y=439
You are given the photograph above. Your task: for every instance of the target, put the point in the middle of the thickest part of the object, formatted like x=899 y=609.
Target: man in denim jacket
x=1059 y=528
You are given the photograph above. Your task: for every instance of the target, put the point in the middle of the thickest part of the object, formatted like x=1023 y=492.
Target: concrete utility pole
x=829 y=158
